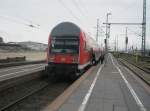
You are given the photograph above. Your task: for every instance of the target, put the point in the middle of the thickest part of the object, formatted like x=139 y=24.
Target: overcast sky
x=16 y=15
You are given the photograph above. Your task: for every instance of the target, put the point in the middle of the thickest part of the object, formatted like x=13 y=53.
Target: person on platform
x=102 y=58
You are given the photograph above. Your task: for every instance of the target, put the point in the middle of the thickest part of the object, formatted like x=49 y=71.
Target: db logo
x=63 y=59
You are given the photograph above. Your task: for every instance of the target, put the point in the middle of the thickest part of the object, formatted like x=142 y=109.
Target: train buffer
x=108 y=87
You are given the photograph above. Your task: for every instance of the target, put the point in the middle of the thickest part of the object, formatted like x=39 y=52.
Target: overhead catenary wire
x=73 y=15
x=69 y=10
x=83 y=6
x=12 y=20
x=19 y=21
x=25 y=22
x=78 y=7
x=102 y=30
x=137 y=34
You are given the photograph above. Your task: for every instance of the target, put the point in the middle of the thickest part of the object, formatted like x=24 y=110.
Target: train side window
x=88 y=47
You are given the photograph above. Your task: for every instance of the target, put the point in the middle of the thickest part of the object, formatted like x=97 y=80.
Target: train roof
x=66 y=28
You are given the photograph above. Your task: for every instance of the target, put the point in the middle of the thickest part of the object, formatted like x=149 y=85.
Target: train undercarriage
x=69 y=71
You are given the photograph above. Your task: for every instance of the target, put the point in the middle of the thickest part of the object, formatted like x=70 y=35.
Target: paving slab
x=110 y=92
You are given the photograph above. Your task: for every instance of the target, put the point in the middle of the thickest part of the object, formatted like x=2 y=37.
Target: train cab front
x=63 y=49
x=63 y=55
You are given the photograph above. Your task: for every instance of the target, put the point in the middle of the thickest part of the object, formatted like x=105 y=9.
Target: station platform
x=110 y=87
x=19 y=71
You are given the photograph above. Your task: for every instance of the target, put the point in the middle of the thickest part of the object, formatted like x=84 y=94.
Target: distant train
x=70 y=51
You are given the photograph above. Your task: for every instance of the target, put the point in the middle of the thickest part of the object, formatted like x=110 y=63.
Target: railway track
x=19 y=92
x=32 y=91
x=17 y=83
x=139 y=71
x=138 y=66
x=10 y=77
x=33 y=95
x=4 y=65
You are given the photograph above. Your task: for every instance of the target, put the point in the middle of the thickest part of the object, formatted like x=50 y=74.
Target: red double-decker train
x=70 y=51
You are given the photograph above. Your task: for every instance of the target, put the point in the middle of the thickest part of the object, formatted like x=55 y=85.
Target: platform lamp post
x=106 y=40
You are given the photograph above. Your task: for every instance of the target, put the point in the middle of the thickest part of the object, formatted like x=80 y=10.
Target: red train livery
x=70 y=50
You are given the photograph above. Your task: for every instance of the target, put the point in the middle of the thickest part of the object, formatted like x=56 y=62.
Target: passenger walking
x=93 y=56
x=102 y=59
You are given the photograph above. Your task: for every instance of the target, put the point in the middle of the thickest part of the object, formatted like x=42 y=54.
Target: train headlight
x=75 y=60
x=51 y=58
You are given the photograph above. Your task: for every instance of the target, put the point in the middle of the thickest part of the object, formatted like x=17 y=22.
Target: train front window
x=64 y=45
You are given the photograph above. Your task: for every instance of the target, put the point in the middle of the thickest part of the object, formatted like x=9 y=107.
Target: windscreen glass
x=64 y=45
